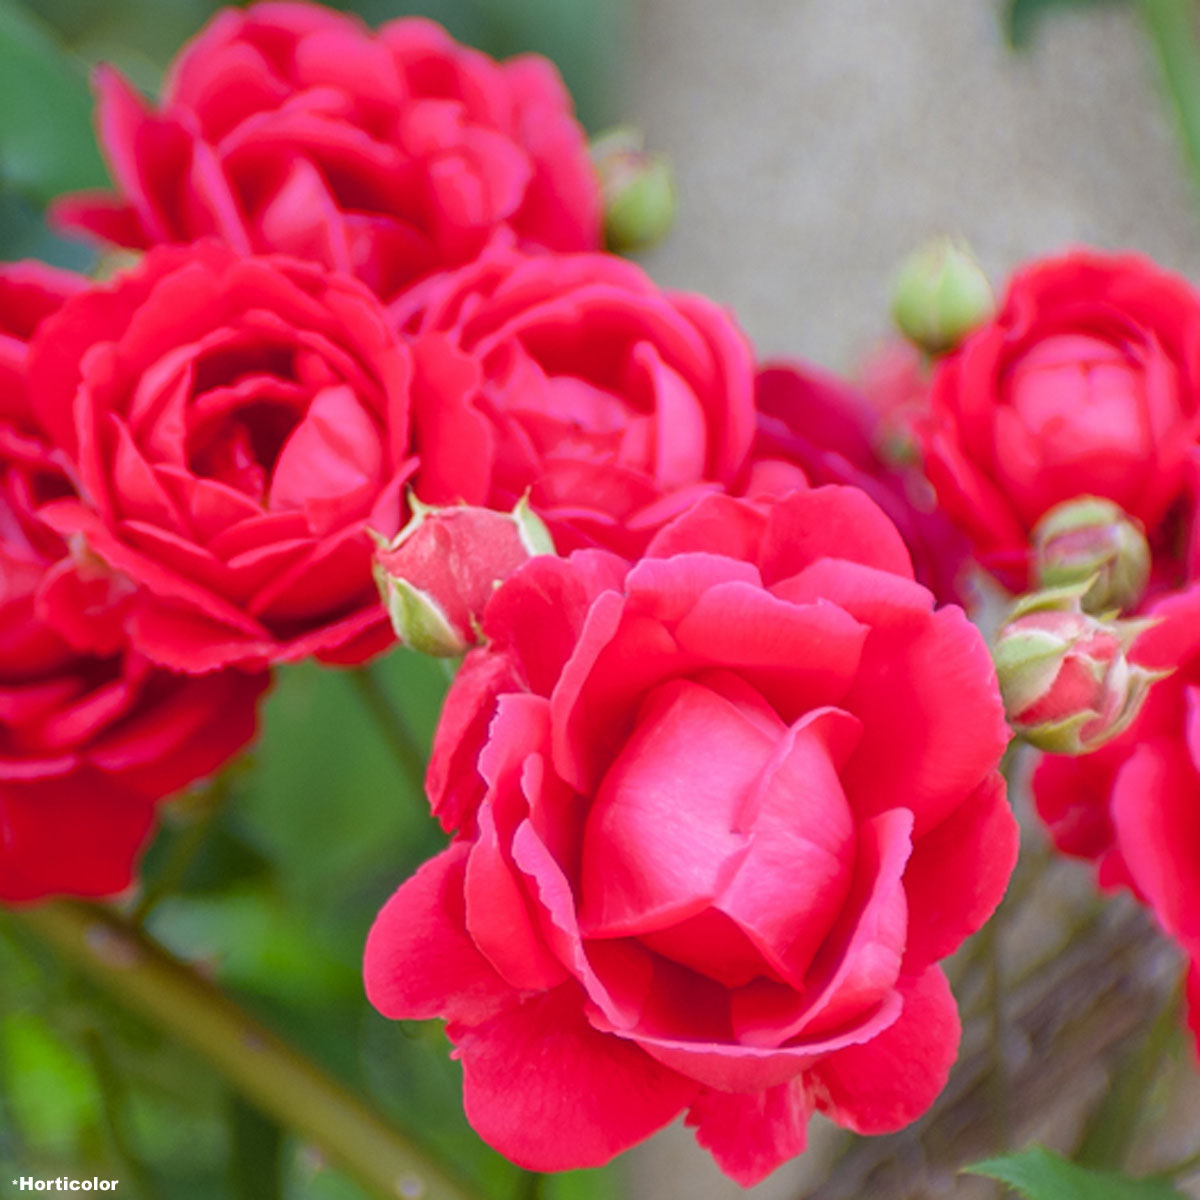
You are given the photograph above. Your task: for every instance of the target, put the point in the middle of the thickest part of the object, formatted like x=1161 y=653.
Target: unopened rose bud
x=1065 y=676
x=437 y=575
x=1093 y=539
x=939 y=295
x=638 y=189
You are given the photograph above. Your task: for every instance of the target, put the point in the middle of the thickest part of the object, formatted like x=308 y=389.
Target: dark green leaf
x=1040 y=1174
x=1020 y=17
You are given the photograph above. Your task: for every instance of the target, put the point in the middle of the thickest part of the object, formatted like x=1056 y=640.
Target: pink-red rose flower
x=234 y=426
x=720 y=814
x=814 y=427
x=295 y=129
x=1086 y=382
x=90 y=739
x=91 y=734
x=573 y=378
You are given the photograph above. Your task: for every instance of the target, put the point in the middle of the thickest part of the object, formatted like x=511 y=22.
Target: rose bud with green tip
x=1065 y=676
x=638 y=190
x=940 y=294
x=1090 y=538
x=437 y=575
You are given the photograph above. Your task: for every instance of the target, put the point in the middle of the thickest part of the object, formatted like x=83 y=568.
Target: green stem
x=1111 y=1129
x=112 y=1098
x=188 y=843
x=1180 y=1170
x=1171 y=26
x=392 y=727
x=270 y=1074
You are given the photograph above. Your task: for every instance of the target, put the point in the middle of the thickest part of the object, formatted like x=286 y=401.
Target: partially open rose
x=719 y=816
x=574 y=378
x=288 y=127
x=1086 y=382
x=234 y=424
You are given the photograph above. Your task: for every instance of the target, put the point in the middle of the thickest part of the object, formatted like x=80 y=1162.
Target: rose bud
x=1093 y=539
x=637 y=190
x=1065 y=676
x=939 y=295
x=437 y=575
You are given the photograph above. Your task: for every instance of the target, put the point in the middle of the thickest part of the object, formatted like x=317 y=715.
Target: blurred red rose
x=614 y=404
x=720 y=813
x=813 y=426
x=1086 y=382
x=234 y=425
x=389 y=154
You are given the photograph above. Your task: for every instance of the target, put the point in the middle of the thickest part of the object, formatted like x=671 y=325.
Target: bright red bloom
x=720 y=814
x=234 y=424
x=1086 y=382
x=614 y=404
x=91 y=734
x=288 y=127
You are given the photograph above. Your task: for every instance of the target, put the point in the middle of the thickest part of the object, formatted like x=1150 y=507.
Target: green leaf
x=1020 y=17
x=46 y=141
x=1040 y=1174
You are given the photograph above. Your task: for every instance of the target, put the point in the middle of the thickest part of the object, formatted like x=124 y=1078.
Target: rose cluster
x=1063 y=436
x=722 y=781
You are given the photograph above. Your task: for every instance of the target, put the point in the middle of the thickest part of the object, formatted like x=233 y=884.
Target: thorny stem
x=120 y=958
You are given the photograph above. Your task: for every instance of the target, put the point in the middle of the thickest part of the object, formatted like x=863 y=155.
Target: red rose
x=574 y=378
x=1086 y=382
x=721 y=813
x=292 y=128
x=812 y=426
x=91 y=734
x=234 y=425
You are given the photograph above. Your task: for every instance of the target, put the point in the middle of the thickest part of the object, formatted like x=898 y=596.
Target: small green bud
x=939 y=295
x=638 y=190
x=1092 y=538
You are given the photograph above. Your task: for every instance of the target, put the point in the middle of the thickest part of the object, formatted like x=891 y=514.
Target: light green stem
x=138 y=972
x=393 y=728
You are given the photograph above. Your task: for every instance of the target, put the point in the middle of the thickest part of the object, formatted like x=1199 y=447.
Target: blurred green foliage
x=1021 y=17
x=271 y=886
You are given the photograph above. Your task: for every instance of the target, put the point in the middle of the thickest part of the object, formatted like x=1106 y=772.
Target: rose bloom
x=293 y=128
x=817 y=428
x=575 y=379
x=235 y=425
x=719 y=815
x=1086 y=382
x=92 y=735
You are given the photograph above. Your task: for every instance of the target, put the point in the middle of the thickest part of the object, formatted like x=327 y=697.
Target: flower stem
x=1171 y=26
x=119 y=957
x=393 y=728
x=1112 y=1128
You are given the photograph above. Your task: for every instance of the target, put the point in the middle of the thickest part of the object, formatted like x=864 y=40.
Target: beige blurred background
x=816 y=142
